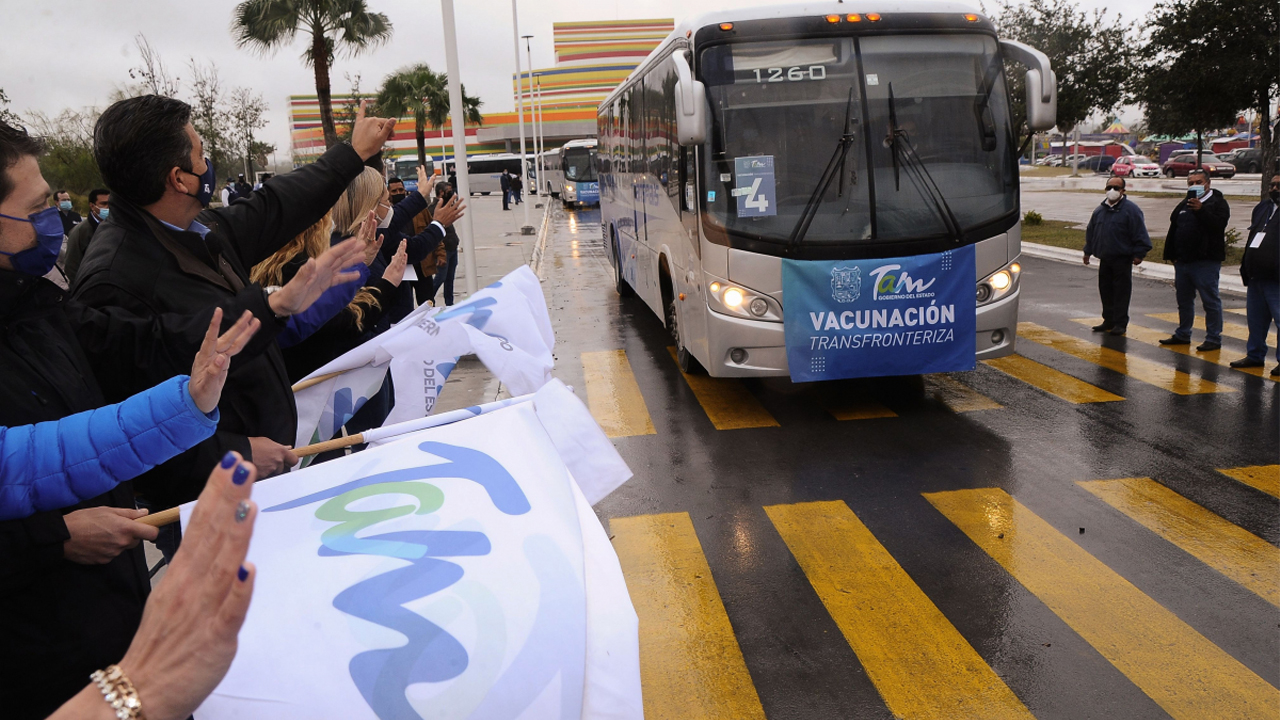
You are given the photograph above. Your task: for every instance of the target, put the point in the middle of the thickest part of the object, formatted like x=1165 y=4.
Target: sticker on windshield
x=755 y=190
x=873 y=79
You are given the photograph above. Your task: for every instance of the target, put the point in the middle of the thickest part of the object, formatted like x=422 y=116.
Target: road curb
x=540 y=250
x=1227 y=282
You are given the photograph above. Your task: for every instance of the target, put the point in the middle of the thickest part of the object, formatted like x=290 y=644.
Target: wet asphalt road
x=1043 y=608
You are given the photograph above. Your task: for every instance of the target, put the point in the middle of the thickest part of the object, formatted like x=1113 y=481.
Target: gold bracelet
x=119 y=693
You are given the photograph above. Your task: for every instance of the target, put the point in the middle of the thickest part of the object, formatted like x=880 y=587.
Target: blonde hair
x=313 y=241
x=361 y=196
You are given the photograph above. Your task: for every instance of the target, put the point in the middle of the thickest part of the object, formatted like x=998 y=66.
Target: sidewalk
x=1228 y=282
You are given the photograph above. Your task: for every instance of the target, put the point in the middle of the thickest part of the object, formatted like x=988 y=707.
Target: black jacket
x=139 y=265
x=1118 y=231
x=70 y=219
x=60 y=620
x=1263 y=262
x=1208 y=229
x=418 y=247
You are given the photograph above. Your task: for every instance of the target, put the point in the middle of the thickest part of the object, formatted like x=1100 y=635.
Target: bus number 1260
x=813 y=72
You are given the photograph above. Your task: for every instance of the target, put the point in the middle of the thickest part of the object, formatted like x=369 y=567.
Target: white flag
x=458 y=573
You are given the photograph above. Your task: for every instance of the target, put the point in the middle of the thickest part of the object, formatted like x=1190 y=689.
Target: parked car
x=1135 y=166
x=1181 y=162
x=1247 y=160
x=1098 y=163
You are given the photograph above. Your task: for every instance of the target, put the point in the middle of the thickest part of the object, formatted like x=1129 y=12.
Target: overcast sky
x=56 y=54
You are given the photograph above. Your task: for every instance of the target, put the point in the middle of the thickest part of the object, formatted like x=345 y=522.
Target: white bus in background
x=794 y=83
x=485 y=171
x=552 y=173
x=577 y=173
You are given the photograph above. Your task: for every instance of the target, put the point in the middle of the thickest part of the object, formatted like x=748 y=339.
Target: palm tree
x=333 y=25
x=420 y=91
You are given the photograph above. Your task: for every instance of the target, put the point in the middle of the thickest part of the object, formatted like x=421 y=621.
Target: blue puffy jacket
x=60 y=463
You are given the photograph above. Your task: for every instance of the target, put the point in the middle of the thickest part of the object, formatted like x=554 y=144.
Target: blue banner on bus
x=589 y=192
x=891 y=316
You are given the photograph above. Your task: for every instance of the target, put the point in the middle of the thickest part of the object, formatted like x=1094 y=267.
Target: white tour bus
x=576 y=166
x=796 y=82
x=552 y=175
x=486 y=171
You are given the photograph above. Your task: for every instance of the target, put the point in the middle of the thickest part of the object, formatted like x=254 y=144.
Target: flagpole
x=459 y=142
x=525 y=229
x=169 y=516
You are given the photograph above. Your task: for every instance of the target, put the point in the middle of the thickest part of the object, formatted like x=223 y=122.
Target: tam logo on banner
x=890 y=316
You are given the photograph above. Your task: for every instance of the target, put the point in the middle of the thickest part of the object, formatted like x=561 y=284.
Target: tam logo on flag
x=458 y=572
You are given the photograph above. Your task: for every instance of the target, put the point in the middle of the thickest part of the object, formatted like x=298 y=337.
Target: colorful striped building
x=592 y=58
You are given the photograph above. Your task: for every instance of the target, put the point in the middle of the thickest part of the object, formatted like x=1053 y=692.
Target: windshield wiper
x=834 y=166
x=905 y=154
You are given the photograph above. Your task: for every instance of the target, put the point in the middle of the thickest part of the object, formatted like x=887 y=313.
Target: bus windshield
x=579 y=165
x=781 y=107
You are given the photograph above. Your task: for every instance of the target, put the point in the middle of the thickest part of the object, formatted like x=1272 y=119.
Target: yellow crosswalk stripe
x=1137 y=368
x=1054 y=382
x=1231 y=330
x=614 y=396
x=921 y=665
x=957 y=396
x=1153 y=338
x=1181 y=670
x=690 y=664
x=1231 y=550
x=728 y=404
x=1263 y=477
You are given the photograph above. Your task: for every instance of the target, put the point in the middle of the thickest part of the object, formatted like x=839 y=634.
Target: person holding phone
x=1197 y=245
x=1260 y=271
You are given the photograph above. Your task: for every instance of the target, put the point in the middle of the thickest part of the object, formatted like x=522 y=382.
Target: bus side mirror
x=1042 y=85
x=691 y=105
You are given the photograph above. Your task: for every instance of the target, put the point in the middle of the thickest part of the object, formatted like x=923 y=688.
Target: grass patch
x=1169 y=194
x=1045 y=171
x=1060 y=233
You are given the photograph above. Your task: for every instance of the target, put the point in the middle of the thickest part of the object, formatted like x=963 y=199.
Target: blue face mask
x=39 y=260
x=103 y=212
x=1198 y=190
x=65 y=205
x=207 y=180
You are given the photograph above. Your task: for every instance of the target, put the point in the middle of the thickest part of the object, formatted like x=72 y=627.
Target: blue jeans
x=1262 y=306
x=444 y=277
x=1200 y=277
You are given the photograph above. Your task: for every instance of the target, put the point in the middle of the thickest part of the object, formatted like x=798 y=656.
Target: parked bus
x=552 y=173
x=576 y=161
x=860 y=160
x=407 y=170
x=485 y=171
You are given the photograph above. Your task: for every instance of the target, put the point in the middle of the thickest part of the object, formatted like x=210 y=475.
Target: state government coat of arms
x=846 y=283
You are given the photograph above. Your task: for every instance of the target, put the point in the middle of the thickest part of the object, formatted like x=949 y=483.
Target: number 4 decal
x=754 y=201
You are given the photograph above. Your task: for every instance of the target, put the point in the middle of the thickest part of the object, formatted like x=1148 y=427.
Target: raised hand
x=369 y=134
x=395 y=269
x=449 y=213
x=426 y=183
x=368 y=227
x=318 y=275
x=209 y=371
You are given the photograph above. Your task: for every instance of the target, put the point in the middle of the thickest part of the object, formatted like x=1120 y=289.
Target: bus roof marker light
x=726 y=26
x=833 y=19
x=873 y=17
x=971 y=17
x=853 y=17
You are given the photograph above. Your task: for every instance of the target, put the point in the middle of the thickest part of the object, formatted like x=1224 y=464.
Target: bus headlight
x=998 y=284
x=729 y=299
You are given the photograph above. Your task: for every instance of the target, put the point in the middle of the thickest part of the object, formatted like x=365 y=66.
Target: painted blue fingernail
x=228 y=460
x=240 y=475
x=242 y=574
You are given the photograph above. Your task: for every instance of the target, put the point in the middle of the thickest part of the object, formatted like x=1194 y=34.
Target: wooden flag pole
x=304 y=384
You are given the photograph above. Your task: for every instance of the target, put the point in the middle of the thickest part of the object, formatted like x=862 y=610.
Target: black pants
x=1115 y=285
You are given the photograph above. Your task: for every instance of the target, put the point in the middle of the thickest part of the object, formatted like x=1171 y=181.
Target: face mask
x=1198 y=190
x=385 y=222
x=103 y=212
x=1274 y=195
x=205 y=193
x=39 y=260
x=397 y=197
x=65 y=205
x=1113 y=194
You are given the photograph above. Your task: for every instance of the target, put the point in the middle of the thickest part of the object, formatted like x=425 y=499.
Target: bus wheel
x=689 y=365
x=621 y=285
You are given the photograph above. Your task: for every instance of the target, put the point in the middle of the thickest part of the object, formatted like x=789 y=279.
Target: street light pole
x=533 y=121
x=525 y=229
x=459 y=143
x=542 y=140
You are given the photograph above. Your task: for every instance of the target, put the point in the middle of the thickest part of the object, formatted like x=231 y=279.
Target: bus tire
x=619 y=284
x=689 y=365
